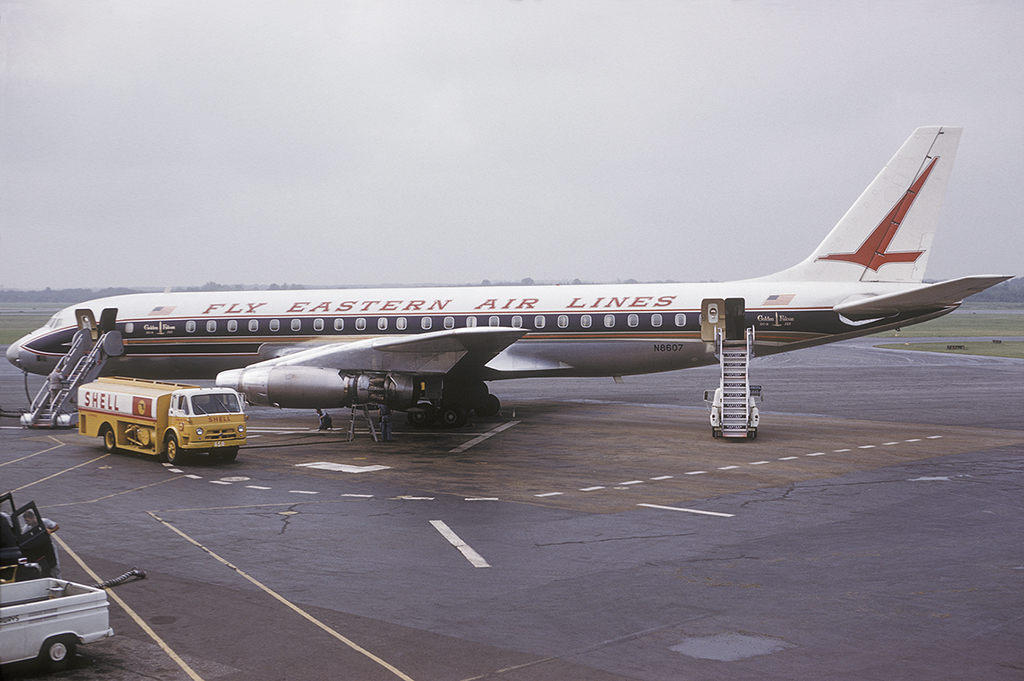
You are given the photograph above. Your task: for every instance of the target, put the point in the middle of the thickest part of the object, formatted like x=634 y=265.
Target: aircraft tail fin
x=887 y=233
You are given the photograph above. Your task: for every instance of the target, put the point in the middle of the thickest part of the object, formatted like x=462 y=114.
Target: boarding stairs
x=738 y=416
x=58 y=407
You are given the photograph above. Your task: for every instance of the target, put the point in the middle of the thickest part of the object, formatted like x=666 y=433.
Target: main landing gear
x=456 y=404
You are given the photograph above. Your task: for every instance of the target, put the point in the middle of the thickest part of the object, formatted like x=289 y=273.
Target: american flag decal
x=162 y=310
x=772 y=301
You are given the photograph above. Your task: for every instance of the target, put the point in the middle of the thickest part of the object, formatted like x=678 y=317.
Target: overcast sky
x=336 y=143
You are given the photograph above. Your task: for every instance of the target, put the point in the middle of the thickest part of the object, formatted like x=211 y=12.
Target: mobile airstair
x=56 y=405
x=733 y=412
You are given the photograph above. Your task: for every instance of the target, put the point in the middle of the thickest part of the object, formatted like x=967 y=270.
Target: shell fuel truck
x=167 y=420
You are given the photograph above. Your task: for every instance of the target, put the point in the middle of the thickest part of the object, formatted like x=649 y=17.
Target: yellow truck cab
x=166 y=420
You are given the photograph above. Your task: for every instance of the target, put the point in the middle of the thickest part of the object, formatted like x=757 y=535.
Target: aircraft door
x=712 y=317
x=735 y=319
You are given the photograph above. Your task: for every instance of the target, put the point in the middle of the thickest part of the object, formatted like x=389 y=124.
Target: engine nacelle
x=305 y=387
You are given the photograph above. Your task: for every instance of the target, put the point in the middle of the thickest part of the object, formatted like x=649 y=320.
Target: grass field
x=981 y=347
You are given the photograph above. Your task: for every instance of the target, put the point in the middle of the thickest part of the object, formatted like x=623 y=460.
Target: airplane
x=431 y=352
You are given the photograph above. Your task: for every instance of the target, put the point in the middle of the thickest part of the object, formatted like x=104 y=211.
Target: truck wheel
x=109 y=440
x=229 y=453
x=57 y=653
x=172 y=454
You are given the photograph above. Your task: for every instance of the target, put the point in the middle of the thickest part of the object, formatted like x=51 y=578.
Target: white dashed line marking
x=359 y=496
x=632 y=482
x=889 y=444
x=219 y=482
x=695 y=473
x=916 y=439
x=465 y=549
x=687 y=510
x=591 y=489
x=759 y=463
x=550 y=494
x=663 y=477
x=934 y=437
x=341 y=467
x=727 y=468
x=408 y=498
x=481 y=499
x=301 y=491
x=194 y=477
x=789 y=458
x=256 y=487
x=866 y=447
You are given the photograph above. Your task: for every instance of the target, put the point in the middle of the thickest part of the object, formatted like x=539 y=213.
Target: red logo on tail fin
x=872 y=253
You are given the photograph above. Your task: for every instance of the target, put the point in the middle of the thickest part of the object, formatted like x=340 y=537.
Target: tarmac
x=592 y=530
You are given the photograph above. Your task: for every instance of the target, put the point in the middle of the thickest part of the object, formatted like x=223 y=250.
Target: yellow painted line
x=115 y=494
x=351 y=644
x=138 y=620
x=48 y=449
x=66 y=470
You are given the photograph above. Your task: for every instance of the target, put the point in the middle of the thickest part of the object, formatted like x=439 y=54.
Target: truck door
x=33 y=539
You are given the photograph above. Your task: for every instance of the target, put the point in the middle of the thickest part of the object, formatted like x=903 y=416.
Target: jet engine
x=306 y=387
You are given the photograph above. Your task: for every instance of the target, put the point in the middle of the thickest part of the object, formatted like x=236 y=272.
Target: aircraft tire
x=423 y=416
x=490 y=406
x=453 y=416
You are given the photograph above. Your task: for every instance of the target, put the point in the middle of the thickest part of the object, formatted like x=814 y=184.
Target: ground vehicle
x=26 y=551
x=48 y=618
x=163 y=419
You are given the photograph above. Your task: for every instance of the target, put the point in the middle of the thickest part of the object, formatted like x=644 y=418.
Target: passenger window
x=401 y=323
x=211 y=326
x=539 y=321
x=493 y=321
x=360 y=323
x=190 y=327
x=449 y=322
x=680 y=320
x=129 y=328
x=232 y=325
x=655 y=320
x=585 y=321
x=318 y=325
x=254 y=325
x=609 y=320
x=296 y=325
x=275 y=324
x=563 y=321
x=426 y=323
x=382 y=323
x=633 y=320
x=517 y=322
x=470 y=322
x=339 y=324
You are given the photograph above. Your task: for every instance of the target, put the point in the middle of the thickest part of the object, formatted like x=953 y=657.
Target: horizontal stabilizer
x=943 y=294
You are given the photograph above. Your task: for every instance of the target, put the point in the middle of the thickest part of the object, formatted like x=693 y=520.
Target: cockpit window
x=216 y=403
x=54 y=322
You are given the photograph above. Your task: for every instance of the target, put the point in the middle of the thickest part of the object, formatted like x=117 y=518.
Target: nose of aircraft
x=14 y=353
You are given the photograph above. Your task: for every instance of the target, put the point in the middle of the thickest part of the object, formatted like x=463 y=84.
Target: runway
x=592 y=530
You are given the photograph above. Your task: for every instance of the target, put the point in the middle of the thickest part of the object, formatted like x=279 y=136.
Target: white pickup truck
x=48 y=618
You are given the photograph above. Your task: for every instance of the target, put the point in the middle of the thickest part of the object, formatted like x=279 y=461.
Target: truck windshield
x=216 y=403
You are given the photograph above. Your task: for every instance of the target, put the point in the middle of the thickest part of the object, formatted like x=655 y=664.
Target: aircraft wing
x=943 y=294
x=437 y=352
